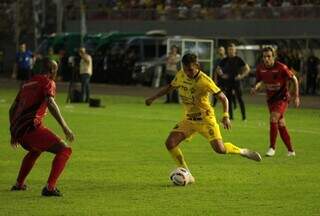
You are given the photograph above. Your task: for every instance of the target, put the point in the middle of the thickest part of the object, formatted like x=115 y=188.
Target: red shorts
x=279 y=107
x=40 y=139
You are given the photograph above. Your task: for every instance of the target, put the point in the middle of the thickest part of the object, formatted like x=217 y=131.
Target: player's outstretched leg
x=62 y=156
x=172 y=144
x=228 y=148
x=26 y=166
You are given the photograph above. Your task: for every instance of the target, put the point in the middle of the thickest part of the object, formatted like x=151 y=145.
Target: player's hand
x=226 y=123
x=149 y=101
x=253 y=91
x=69 y=134
x=297 y=101
x=238 y=77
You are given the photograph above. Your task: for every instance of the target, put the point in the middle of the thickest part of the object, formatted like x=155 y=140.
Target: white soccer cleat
x=252 y=155
x=271 y=152
x=191 y=179
x=291 y=154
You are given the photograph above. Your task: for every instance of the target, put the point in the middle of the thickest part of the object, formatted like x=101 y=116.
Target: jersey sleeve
x=50 y=88
x=287 y=73
x=177 y=80
x=212 y=87
x=241 y=63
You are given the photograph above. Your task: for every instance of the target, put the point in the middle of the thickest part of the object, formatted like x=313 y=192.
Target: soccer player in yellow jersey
x=194 y=87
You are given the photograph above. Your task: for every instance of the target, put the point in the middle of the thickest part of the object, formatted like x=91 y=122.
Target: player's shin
x=177 y=155
x=26 y=166
x=58 y=165
x=231 y=149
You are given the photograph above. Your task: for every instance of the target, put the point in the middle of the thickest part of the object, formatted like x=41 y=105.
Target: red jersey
x=276 y=80
x=31 y=105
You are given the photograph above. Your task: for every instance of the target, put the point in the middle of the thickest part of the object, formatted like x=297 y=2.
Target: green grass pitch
x=120 y=166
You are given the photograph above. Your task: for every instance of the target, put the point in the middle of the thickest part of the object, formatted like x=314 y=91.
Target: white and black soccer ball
x=180 y=176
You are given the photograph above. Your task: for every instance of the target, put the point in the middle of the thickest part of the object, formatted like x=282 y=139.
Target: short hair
x=47 y=66
x=231 y=45
x=269 y=49
x=189 y=58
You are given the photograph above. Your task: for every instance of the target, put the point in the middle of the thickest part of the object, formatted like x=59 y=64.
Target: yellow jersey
x=194 y=93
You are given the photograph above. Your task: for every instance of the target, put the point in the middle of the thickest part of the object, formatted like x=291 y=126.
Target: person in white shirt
x=85 y=73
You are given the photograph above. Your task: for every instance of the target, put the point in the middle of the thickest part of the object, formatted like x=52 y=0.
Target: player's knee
x=170 y=144
x=66 y=151
x=282 y=123
x=274 y=119
x=218 y=147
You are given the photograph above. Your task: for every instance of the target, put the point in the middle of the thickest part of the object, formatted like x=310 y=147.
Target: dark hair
x=189 y=58
x=231 y=45
x=46 y=65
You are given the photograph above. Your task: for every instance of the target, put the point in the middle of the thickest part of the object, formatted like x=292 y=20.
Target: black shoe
x=19 y=188
x=46 y=192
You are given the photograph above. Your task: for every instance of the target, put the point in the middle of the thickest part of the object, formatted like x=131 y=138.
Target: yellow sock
x=231 y=149
x=178 y=157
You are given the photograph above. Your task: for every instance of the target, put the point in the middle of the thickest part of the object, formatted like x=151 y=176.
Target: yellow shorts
x=207 y=127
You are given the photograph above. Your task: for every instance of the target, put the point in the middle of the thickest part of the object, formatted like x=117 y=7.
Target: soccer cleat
x=19 y=188
x=252 y=155
x=54 y=192
x=291 y=154
x=271 y=152
x=191 y=179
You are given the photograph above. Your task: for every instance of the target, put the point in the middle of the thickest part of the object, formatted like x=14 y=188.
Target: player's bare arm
x=244 y=72
x=55 y=112
x=296 y=91
x=225 y=105
x=163 y=91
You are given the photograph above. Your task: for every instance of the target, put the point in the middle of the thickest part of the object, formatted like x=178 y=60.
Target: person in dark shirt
x=232 y=70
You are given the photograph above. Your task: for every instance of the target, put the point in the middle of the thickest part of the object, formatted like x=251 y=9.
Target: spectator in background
x=53 y=56
x=232 y=70
x=172 y=61
x=85 y=74
x=313 y=64
x=221 y=54
x=23 y=64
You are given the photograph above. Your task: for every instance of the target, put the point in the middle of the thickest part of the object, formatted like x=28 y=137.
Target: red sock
x=58 y=165
x=273 y=134
x=285 y=137
x=26 y=166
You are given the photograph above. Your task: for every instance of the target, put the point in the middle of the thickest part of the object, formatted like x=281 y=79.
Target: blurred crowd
x=193 y=9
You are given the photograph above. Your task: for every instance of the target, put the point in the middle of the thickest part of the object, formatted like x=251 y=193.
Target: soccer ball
x=180 y=176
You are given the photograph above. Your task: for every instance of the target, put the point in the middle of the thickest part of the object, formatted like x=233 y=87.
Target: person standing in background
x=85 y=74
x=23 y=64
x=171 y=69
x=232 y=70
x=221 y=54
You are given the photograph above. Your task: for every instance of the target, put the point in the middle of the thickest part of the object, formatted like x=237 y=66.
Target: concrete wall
x=211 y=28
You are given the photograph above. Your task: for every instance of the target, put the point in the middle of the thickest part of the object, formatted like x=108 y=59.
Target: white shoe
x=252 y=155
x=291 y=154
x=191 y=179
x=271 y=152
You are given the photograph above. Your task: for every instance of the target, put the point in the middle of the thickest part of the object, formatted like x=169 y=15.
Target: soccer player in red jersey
x=276 y=77
x=27 y=129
